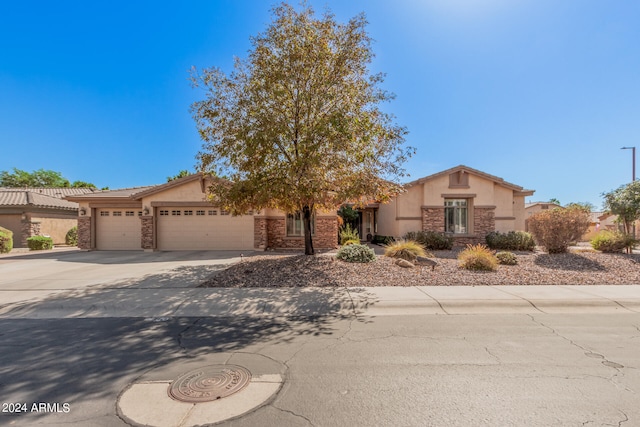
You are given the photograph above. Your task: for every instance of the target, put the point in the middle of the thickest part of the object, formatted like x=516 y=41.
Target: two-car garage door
x=202 y=228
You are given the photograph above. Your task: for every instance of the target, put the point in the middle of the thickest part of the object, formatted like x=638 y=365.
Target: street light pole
x=633 y=161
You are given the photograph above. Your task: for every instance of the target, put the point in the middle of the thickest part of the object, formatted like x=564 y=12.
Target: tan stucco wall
x=188 y=192
x=387 y=224
x=13 y=222
x=56 y=226
x=519 y=213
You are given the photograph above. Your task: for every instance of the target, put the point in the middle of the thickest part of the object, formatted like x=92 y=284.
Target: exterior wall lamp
x=145 y=210
x=83 y=211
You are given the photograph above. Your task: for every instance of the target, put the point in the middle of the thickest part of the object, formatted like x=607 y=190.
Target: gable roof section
x=171 y=184
x=122 y=193
x=467 y=169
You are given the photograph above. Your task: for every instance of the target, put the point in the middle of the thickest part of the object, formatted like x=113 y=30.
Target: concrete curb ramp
x=146 y=401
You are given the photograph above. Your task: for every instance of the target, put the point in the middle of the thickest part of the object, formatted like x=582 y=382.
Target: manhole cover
x=209 y=383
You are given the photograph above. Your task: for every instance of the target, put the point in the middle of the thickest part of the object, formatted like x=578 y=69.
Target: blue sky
x=542 y=93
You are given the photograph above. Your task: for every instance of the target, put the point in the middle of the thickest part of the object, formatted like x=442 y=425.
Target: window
x=455 y=216
x=117 y=213
x=176 y=213
x=213 y=212
x=295 y=225
x=188 y=213
x=139 y=213
x=223 y=212
x=199 y=213
x=104 y=213
x=129 y=213
x=164 y=213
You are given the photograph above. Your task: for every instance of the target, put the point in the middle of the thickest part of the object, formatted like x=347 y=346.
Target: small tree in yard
x=624 y=202
x=296 y=126
x=556 y=229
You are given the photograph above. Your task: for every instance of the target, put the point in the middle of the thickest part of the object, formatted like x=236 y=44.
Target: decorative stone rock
x=426 y=262
x=404 y=263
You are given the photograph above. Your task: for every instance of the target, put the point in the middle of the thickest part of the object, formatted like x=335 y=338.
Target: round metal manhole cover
x=209 y=383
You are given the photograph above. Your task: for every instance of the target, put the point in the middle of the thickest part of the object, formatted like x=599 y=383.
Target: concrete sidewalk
x=364 y=301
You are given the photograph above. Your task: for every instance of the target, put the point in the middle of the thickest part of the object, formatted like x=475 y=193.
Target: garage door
x=118 y=229
x=200 y=228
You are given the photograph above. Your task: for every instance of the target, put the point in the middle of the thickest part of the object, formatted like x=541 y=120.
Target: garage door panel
x=208 y=231
x=118 y=230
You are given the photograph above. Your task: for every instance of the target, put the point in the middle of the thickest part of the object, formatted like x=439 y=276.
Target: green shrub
x=6 y=240
x=39 y=243
x=351 y=242
x=609 y=241
x=71 y=238
x=348 y=233
x=511 y=241
x=356 y=253
x=478 y=257
x=405 y=249
x=557 y=228
x=382 y=240
x=506 y=258
x=431 y=240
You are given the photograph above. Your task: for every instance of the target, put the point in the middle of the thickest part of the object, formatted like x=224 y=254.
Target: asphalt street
x=497 y=356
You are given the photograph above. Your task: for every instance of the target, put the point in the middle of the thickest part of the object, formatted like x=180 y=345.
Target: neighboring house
x=462 y=201
x=29 y=212
x=178 y=216
x=535 y=207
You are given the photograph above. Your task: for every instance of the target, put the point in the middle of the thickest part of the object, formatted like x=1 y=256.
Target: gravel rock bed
x=295 y=270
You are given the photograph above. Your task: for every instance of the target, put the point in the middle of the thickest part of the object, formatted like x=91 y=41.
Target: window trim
x=291 y=219
x=458 y=211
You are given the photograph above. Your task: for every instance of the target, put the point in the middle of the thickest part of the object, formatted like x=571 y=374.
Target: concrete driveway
x=33 y=276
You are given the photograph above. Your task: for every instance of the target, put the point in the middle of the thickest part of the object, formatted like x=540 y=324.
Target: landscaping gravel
x=296 y=270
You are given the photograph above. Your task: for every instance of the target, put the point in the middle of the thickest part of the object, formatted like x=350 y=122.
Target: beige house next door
x=198 y=228
x=118 y=229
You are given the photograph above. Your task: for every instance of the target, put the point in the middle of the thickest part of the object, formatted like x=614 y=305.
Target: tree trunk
x=306 y=220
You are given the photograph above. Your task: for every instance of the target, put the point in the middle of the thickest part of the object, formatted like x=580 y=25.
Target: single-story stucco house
x=178 y=216
x=30 y=212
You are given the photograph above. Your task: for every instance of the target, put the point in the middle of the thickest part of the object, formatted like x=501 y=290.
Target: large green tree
x=297 y=125
x=624 y=202
x=38 y=178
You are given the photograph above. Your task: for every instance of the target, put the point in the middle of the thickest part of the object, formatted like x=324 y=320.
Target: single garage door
x=200 y=228
x=118 y=229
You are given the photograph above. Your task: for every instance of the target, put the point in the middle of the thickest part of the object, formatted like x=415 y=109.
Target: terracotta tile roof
x=52 y=192
x=13 y=198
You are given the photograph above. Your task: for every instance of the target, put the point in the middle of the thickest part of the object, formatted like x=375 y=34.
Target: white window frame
x=295 y=225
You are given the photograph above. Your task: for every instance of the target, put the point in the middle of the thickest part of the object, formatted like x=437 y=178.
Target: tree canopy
x=180 y=174
x=624 y=202
x=297 y=125
x=39 y=178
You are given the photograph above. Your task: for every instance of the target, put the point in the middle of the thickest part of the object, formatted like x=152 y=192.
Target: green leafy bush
x=405 y=249
x=609 y=241
x=348 y=233
x=506 y=258
x=478 y=257
x=382 y=240
x=71 y=238
x=556 y=229
x=431 y=240
x=356 y=253
x=511 y=241
x=39 y=243
x=6 y=240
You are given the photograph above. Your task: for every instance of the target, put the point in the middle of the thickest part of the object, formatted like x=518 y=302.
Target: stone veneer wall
x=483 y=223
x=146 y=235
x=30 y=228
x=84 y=232
x=270 y=233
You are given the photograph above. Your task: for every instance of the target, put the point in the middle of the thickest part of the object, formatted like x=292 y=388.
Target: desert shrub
x=511 y=241
x=6 y=240
x=405 y=249
x=382 y=240
x=556 y=229
x=351 y=242
x=356 y=253
x=506 y=258
x=39 y=243
x=610 y=241
x=478 y=257
x=348 y=233
x=71 y=238
x=431 y=240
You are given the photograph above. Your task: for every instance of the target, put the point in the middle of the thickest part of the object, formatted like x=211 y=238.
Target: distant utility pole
x=633 y=161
